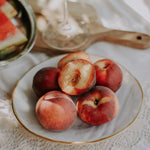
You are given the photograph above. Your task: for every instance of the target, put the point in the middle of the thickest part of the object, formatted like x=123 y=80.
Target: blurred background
x=91 y=11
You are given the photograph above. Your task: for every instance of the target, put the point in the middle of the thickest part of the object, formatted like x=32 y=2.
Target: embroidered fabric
x=14 y=136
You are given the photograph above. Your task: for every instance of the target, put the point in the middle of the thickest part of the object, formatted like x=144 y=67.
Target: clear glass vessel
x=66 y=34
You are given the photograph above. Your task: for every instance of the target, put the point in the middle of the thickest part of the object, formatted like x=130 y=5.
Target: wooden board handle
x=126 y=38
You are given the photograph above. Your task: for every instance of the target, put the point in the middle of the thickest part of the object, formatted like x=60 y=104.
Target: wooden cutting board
x=97 y=32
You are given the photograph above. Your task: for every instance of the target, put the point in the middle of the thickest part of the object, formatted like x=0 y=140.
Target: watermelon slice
x=2 y=2
x=8 y=9
x=10 y=35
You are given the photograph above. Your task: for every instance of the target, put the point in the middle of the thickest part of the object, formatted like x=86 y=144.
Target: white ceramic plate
x=130 y=96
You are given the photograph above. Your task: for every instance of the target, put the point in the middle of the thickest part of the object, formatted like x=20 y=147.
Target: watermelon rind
x=9 y=10
x=8 y=51
x=17 y=39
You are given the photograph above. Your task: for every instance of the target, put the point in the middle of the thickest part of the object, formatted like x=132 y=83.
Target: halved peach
x=76 y=77
x=73 y=56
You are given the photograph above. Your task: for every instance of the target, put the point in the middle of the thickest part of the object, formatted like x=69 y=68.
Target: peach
x=98 y=106
x=56 y=111
x=45 y=80
x=76 y=77
x=73 y=56
x=108 y=73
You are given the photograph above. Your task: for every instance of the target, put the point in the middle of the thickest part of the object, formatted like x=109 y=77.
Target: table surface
x=130 y=15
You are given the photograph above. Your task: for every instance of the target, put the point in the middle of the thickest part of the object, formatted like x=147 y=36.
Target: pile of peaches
x=95 y=85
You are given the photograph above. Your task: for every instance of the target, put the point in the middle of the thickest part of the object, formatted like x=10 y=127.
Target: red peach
x=108 y=73
x=45 y=80
x=56 y=111
x=98 y=106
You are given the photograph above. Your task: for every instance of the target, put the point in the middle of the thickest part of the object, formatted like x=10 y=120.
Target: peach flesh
x=56 y=113
x=77 y=77
x=73 y=56
x=98 y=106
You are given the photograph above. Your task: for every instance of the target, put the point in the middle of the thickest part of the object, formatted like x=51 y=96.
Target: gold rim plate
x=130 y=97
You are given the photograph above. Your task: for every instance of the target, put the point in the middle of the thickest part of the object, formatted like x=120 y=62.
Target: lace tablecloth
x=124 y=15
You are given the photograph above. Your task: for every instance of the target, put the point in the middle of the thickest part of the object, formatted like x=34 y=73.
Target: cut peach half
x=73 y=56
x=76 y=77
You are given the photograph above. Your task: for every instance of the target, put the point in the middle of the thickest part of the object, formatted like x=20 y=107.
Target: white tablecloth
x=133 y=15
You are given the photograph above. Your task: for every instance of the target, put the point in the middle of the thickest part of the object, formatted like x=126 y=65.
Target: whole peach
x=108 y=73
x=56 y=111
x=98 y=106
x=45 y=80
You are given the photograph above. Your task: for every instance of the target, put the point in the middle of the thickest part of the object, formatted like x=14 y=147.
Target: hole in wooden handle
x=139 y=37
